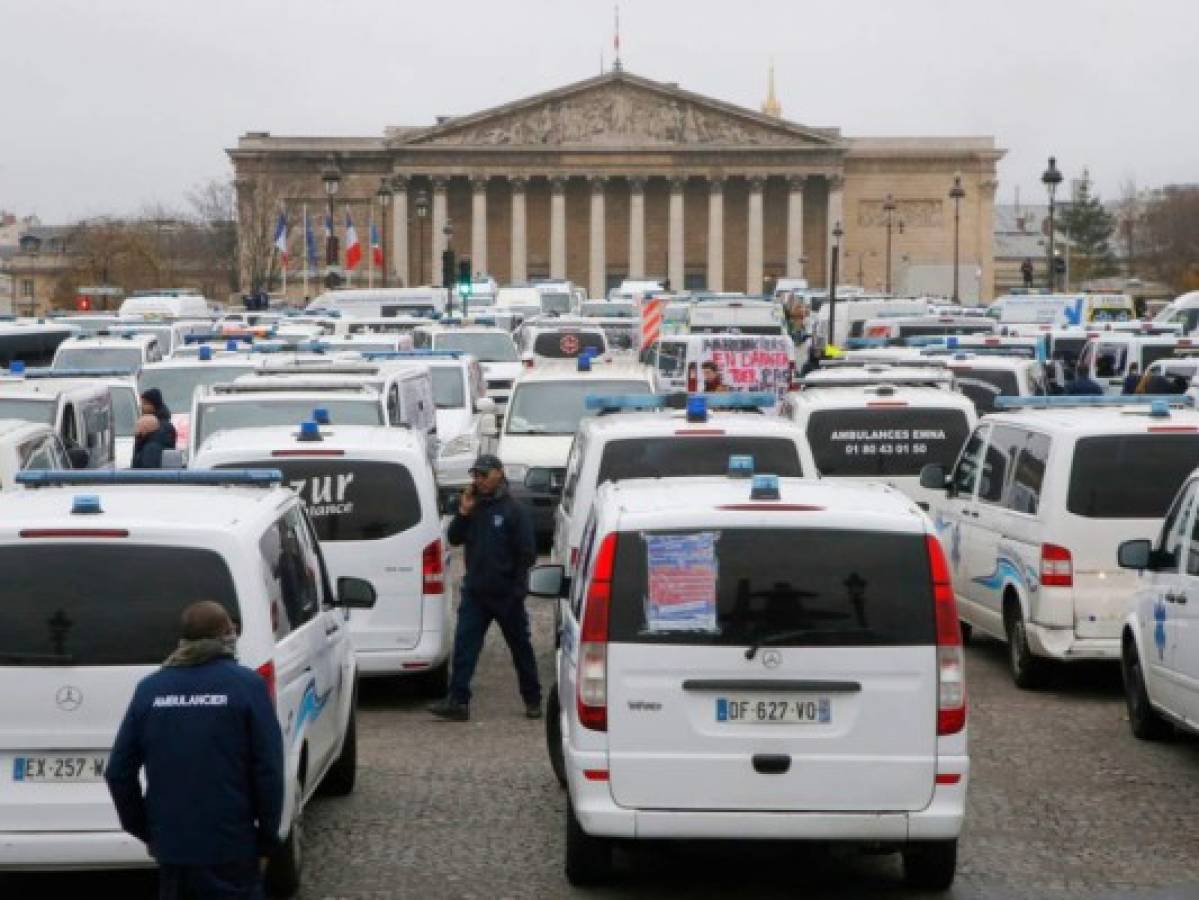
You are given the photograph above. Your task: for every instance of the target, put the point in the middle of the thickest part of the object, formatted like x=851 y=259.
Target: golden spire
x=772 y=107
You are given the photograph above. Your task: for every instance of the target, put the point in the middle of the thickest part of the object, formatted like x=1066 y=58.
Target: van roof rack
x=609 y=403
x=36 y=478
x=78 y=373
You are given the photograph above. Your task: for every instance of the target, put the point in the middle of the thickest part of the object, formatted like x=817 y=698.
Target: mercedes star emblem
x=772 y=659
x=69 y=698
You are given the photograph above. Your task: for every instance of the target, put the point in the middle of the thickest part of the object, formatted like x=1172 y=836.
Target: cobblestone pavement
x=1064 y=803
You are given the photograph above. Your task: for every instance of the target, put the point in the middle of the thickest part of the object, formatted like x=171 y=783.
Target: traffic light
x=1059 y=265
x=447 y=268
x=464 y=279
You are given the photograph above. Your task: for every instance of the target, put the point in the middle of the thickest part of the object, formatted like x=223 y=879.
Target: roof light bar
x=764 y=487
x=741 y=466
x=78 y=373
x=1180 y=401
x=35 y=478
x=414 y=354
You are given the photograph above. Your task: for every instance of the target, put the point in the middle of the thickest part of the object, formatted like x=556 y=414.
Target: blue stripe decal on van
x=311 y=707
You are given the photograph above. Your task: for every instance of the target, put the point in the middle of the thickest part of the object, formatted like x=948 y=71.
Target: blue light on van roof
x=16 y=367
x=231 y=344
x=951 y=341
x=320 y=415
x=697 y=409
x=741 y=466
x=1159 y=409
x=309 y=431
x=86 y=505
x=204 y=353
x=764 y=487
x=584 y=362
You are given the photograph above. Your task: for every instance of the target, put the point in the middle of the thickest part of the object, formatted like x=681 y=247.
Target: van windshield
x=448 y=391
x=40 y=410
x=885 y=441
x=663 y=457
x=178 y=385
x=128 y=359
x=102 y=605
x=738 y=588
x=557 y=407
x=1110 y=477
x=555 y=303
x=349 y=500
x=482 y=345
x=262 y=413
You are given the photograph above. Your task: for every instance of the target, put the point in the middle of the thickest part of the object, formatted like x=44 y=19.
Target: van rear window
x=110 y=605
x=567 y=344
x=1129 y=476
x=693 y=456
x=982 y=386
x=783 y=587
x=885 y=441
x=350 y=501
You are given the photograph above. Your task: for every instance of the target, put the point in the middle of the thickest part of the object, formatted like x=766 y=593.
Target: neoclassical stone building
x=619 y=176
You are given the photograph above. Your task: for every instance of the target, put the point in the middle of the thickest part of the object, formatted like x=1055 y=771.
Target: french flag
x=376 y=248
x=353 y=247
x=281 y=238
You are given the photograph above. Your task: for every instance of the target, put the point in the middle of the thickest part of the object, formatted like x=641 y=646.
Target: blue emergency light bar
x=741 y=466
x=764 y=487
x=213 y=337
x=414 y=354
x=1023 y=351
x=861 y=343
x=633 y=402
x=1180 y=401
x=35 y=478
x=78 y=373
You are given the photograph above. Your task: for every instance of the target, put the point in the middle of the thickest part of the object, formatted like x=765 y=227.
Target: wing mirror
x=933 y=477
x=548 y=581
x=78 y=456
x=1136 y=555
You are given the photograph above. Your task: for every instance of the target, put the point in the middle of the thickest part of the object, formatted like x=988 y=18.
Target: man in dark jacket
x=1083 y=384
x=152 y=404
x=149 y=440
x=498 y=535
x=205 y=731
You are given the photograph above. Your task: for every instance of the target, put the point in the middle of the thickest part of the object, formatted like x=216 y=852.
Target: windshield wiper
x=59 y=659
x=780 y=636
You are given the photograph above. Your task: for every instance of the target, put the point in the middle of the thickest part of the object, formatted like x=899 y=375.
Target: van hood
x=535 y=450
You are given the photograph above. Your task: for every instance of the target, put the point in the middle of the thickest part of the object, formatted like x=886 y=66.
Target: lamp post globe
x=1051 y=178
x=956 y=193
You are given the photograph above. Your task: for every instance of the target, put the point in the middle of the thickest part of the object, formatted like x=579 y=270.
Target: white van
x=1108 y=355
x=668 y=444
x=1062 y=310
x=909 y=330
x=127 y=350
x=1183 y=311
x=553 y=339
x=28 y=445
x=985 y=377
x=525 y=299
x=881 y=432
x=147 y=544
x=850 y=316
x=420 y=302
x=126 y=403
x=1034 y=509
x=81 y=415
x=178 y=378
x=740 y=316
x=372 y=499
x=743 y=362
x=733 y=665
x=494 y=348
x=167 y=306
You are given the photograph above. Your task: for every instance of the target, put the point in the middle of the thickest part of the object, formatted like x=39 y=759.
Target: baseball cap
x=485 y=463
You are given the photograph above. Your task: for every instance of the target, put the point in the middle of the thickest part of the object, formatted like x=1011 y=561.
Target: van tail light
x=433 y=569
x=792 y=376
x=267 y=671
x=951 y=664
x=593 y=641
x=1057 y=568
x=692 y=378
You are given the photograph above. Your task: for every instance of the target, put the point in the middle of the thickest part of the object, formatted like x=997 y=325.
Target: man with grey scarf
x=205 y=730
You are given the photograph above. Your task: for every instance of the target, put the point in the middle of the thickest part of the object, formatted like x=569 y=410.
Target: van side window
x=1193 y=546
x=574 y=464
x=581 y=575
x=1028 y=475
x=36 y=454
x=314 y=561
x=965 y=473
x=672 y=355
x=294 y=573
x=70 y=430
x=1174 y=529
x=393 y=406
x=270 y=549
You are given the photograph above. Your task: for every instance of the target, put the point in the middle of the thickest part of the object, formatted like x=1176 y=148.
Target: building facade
x=622 y=177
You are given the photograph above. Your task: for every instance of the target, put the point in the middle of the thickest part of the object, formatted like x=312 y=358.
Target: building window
x=27 y=288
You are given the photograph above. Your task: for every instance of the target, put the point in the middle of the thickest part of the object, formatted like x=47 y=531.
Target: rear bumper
x=599 y=815
x=431 y=650
x=60 y=850
x=1064 y=645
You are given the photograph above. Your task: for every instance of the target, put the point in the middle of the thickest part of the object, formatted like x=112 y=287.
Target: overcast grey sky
x=110 y=105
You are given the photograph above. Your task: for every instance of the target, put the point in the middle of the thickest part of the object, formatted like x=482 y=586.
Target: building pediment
x=618 y=110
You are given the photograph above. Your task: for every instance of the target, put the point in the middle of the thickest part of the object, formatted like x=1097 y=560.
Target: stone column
x=598 y=270
x=520 y=235
x=795 y=226
x=399 y=231
x=557 y=227
x=716 y=234
x=836 y=202
x=753 y=237
x=478 y=225
x=637 y=227
x=440 y=215
x=674 y=252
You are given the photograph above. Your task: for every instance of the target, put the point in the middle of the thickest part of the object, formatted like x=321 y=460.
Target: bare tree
x=1171 y=236
x=260 y=197
x=213 y=210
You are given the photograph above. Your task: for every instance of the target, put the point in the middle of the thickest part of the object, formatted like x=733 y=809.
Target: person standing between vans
x=204 y=730
x=148 y=443
x=153 y=405
x=1083 y=384
x=1132 y=379
x=497 y=533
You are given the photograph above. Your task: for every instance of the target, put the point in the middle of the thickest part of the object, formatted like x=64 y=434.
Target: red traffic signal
x=83 y=304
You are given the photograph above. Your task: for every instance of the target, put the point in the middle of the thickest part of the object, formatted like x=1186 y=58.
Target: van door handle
x=771 y=763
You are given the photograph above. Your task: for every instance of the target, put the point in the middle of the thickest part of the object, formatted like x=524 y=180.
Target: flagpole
x=345 y=251
x=304 y=269
x=370 y=255
x=283 y=259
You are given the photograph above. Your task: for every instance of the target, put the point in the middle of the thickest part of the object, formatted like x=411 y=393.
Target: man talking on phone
x=497 y=533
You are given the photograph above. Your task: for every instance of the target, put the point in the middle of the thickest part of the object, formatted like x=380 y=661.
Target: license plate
x=75 y=769
x=774 y=710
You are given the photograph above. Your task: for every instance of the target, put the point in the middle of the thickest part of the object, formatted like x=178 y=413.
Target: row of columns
x=597 y=269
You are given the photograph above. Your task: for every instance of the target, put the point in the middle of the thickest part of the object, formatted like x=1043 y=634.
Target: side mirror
x=933 y=477
x=488 y=426
x=78 y=456
x=355 y=593
x=486 y=406
x=539 y=479
x=172 y=459
x=1135 y=555
x=547 y=581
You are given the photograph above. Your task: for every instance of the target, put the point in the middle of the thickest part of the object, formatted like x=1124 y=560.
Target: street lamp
x=889 y=209
x=1051 y=178
x=448 y=231
x=831 y=337
x=332 y=181
x=422 y=211
x=384 y=195
x=956 y=193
